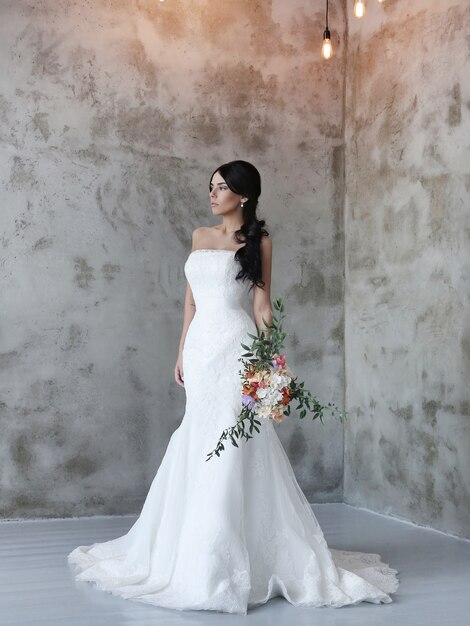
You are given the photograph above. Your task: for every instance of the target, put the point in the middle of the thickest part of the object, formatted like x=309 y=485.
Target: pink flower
x=279 y=361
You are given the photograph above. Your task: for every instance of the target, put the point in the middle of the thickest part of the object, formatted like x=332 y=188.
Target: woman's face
x=223 y=199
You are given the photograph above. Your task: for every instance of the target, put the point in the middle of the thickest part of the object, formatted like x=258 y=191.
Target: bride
x=231 y=532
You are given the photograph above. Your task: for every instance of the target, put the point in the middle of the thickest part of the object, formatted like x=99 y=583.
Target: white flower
x=263 y=411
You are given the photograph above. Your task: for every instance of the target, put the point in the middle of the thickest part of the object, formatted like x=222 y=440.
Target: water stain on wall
x=456 y=489
x=42 y=243
x=76 y=337
x=45 y=392
x=148 y=126
x=85 y=70
x=22 y=174
x=423 y=500
x=311 y=285
x=405 y=412
x=101 y=125
x=46 y=53
x=139 y=60
x=360 y=452
x=87 y=370
x=109 y=271
x=205 y=127
x=266 y=35
x=391 y=462
x=81 y=466
x=337 y=333
x=437 y=188
x=84 y=273
x=40 y=123
x=297 y=445
x=172 y=19
x=23 y=504
x=9 y=359
x=21 y=452
x=465 y=344
x=239 y=86
x=454 y=114
x=180 y=209
x=428 y=446
x=430 y=409
x=92 y=154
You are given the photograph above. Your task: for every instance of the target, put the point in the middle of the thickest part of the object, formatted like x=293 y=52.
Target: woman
x=239 y=223
x=230 y=533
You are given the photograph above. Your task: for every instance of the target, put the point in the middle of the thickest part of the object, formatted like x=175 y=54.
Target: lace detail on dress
x=369 y=566
x=232 y=532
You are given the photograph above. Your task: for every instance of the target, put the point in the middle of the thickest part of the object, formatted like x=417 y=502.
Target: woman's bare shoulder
x=202 y=236
x=266 y=242
x=204 y=229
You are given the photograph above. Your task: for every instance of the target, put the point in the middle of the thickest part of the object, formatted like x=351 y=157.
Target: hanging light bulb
x=327 y=48
x=359 y=8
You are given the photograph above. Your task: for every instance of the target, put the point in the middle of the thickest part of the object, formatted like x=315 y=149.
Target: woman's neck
x=228 y=228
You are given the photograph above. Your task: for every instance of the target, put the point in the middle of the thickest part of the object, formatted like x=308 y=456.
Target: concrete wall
x=407 y=329
x=113 y=115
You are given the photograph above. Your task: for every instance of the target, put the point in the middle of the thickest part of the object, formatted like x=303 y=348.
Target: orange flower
x=285 y=395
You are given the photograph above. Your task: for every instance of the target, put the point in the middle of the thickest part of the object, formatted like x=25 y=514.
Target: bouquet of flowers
x=269 y=387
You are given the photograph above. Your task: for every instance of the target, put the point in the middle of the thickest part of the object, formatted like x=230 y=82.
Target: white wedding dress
x=229 y=533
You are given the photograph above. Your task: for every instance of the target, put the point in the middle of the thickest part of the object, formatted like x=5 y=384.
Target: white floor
x=37 y=586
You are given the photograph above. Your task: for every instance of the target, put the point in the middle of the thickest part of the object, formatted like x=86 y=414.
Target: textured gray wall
x=407 y=330
x=113 y=115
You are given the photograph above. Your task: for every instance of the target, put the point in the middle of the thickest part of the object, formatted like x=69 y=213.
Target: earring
x=242 y=205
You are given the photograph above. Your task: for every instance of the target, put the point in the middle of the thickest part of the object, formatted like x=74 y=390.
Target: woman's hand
x=179 y=375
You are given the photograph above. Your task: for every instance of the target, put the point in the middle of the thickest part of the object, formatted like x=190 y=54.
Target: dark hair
x=244 y=179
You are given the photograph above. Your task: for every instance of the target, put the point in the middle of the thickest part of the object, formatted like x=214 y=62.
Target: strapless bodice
x=211 y=274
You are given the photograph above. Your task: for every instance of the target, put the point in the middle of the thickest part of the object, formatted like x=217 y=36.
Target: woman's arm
x=189 y=311
x=262 y=295
x=189 y=308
